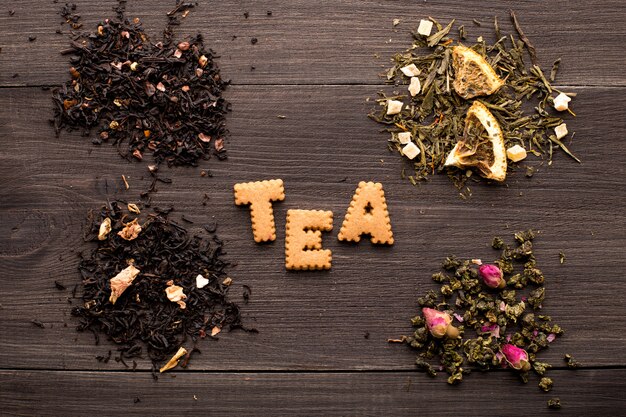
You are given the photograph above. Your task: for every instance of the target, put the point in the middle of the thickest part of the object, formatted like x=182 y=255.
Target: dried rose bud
x=183 y=46
x=516 y=357
x=492 y=276
x=438 y=323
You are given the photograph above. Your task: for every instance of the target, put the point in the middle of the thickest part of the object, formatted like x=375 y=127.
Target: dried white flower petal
x=561 y=102
x=121 y=281
x=425 y=27
x=174 y=360
x=561 y=131
x=411 y=150
x=415 y=86
x=404 y=137
x=394 y=107
x=410 y=70
x=105 y=228
x=201 y=281
x=516 y=153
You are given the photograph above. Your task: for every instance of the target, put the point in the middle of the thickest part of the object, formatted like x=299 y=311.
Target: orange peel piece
x=473 y=74
x=482 y=145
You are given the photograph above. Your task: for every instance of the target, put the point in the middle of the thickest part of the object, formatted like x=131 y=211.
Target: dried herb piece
x=571 y=362
x=163 y=98
x=493 y=309
x=554 y=403
x=142 y=318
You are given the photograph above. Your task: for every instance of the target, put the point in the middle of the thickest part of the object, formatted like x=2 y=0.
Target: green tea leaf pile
x=486 y=315
x=428 y=120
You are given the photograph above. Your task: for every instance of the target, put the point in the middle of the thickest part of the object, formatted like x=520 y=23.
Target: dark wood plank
x=322 y=149
x=326 y=42
x=27 y=393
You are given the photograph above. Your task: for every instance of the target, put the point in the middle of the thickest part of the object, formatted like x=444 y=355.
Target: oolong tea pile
x=162 y=98
x=472 y=107
x=486 y=315
x=150 y=287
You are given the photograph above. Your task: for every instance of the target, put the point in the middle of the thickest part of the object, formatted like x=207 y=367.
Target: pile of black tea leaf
x=486 y=316
x=162 y=98
x=149 y=286
x=446 y=74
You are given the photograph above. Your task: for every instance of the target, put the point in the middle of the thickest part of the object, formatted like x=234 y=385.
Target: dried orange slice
x=482 y=145
x=473 y=74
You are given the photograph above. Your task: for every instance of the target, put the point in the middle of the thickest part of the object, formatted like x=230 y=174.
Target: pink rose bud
x=491 y=275
x=438 y=323
x=516 y=357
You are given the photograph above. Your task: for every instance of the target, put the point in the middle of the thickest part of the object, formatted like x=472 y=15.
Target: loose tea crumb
x=486 y=315
x=163 y=98
x=143 y=319
x=571 y=362
x=435 y=115
x=554 y=403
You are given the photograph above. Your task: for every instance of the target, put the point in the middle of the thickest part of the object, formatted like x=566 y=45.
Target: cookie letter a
x=260 y=195
x=367 y=214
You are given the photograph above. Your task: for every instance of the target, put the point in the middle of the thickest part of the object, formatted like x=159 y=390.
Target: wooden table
x=315 y=63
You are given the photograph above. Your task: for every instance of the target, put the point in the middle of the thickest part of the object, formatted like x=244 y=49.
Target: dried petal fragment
x=105 y=228
x=174 y=360
x=176 y=295
x=130 y=231
x=133 y=208
x=121 y=281
x=201 y=281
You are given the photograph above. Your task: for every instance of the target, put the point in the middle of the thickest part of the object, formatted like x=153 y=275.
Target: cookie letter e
x=303 y=239
x=260 y=195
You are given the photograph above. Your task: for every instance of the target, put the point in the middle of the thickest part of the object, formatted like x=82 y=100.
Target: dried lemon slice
x=474 y=76
x=482 y=145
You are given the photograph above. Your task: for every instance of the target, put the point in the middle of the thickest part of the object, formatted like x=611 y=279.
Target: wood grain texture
x=322 y=149
x=29 y=393
x=325 y=42
x=315 y=63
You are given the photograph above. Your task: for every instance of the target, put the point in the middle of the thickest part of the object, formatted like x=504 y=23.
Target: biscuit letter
x=303 y=239
x=260 y=195
x=367 y=214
